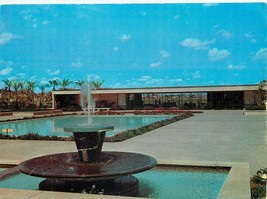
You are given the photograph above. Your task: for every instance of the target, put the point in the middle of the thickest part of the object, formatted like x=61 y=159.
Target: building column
x=53 y=101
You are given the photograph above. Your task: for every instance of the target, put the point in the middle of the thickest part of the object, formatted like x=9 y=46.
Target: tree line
x=17 y=84
x=21 y=95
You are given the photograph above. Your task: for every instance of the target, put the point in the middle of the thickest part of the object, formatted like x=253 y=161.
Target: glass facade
x=167 y=100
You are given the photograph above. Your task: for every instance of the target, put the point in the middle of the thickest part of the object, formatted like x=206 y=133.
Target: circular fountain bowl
x=67 y=166
x=111 y=172
x=88 y=128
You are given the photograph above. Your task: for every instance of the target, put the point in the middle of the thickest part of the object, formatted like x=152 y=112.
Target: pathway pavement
x=221 y=136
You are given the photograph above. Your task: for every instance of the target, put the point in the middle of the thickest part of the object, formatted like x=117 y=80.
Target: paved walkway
x=212 y=136
x=221 y=136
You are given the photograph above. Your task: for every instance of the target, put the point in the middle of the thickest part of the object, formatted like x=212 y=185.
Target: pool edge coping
x=236 y=185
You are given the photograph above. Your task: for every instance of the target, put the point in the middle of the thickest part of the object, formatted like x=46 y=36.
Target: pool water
x=53 y=126
x=21 y=181
x=181 y=182
x=159 y=182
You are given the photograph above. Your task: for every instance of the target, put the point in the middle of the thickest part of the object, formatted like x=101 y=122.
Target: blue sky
x=135 y=45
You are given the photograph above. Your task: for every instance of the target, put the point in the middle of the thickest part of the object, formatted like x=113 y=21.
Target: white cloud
x=250 y=37
x=77 y=64
x=56 y=72
x=21 y=75
x=225 y=34
x=178 y=80
x=7 y=63
x=261 y=54
x=44 y=81
x=6 y=71
x=116 y=48
x=32 y=18
x=215 y=54
x=33 y=78
x=156 y=64
x=93 y=77
x=6 y=37
x=29 y=17
x=155 y=82
x=143 y=81
x=164 y=54
x=196 y=43
x=125 y=37
x=145 y=78
x=210 y=4
x=235 y=67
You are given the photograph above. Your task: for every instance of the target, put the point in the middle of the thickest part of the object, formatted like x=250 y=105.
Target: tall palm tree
x=16 y=85
x=79 y=83
x=21 y=84
x=65 y=83
x=42 y=87
x=97 y=84
x=8 y=84
x=54 y=83
x=30 y=90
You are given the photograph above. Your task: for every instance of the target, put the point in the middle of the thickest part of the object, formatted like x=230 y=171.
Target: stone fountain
x=90 y=170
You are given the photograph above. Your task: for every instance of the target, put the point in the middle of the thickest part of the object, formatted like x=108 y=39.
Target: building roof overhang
x=164 y=89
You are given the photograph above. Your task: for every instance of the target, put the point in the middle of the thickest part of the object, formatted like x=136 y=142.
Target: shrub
x=258 y=185
x=29 y=136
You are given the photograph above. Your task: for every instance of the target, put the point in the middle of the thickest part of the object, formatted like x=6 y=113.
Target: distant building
x=187 y=97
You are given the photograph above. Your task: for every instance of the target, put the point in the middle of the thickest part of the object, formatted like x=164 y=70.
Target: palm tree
x=79 y=83
x=97 y=84
x=30 y=90
x=54 y=83
x=16 y=85
x=65 y=83
x=21 y=84
x=8 y=84
x=42 y=87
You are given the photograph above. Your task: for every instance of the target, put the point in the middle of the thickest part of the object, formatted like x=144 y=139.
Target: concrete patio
x=214 y=136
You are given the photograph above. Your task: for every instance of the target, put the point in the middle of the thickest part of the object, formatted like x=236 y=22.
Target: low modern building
x=188 y=97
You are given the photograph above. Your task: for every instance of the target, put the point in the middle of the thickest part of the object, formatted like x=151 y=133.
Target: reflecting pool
x=53 y=126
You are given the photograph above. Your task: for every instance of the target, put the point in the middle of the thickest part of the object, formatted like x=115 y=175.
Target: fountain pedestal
x=90 y=170
x=89 y=140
